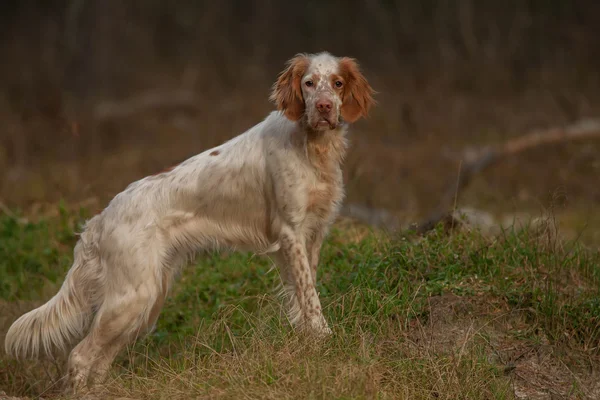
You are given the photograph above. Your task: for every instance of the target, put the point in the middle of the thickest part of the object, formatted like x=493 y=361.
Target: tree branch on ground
x=474 y=163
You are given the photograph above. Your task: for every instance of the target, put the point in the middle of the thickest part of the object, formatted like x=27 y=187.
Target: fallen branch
x=149 y=101
x=489 y=156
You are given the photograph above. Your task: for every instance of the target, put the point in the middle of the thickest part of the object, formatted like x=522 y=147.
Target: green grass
x=444 y=317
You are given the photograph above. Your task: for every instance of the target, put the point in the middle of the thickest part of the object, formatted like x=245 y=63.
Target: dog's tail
x=66 y=317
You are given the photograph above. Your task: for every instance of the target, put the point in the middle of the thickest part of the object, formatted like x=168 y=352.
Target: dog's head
x=323 y=89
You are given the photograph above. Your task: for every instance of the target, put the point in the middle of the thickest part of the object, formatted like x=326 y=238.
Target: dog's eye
x=338 y=84
x=308 y=83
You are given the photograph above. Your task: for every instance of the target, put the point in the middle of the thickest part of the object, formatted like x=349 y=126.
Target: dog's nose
x=324 y=105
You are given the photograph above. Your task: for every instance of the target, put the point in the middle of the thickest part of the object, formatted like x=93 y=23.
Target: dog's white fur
x=274 y=189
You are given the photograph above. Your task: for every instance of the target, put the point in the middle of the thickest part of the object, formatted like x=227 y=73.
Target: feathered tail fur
x=66 y=317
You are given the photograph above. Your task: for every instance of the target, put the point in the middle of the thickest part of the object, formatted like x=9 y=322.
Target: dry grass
x=355 y=364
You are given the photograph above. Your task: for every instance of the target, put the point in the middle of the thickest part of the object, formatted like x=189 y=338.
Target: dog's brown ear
x=358 y=94
x=287 y=92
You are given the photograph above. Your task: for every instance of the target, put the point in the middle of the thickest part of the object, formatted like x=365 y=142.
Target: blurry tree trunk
x=91 y=33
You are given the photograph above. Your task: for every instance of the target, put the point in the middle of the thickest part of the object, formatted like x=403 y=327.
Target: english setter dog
x=274 y=189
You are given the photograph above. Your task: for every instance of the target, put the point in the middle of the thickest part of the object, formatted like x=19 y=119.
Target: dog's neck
x=325 y=147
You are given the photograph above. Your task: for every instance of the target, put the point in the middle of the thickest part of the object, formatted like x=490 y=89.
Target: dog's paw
x=318 y=326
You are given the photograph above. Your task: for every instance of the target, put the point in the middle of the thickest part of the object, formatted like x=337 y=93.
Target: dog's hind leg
x=126 y=314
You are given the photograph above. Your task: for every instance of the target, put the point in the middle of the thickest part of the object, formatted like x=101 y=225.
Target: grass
x=457 y=316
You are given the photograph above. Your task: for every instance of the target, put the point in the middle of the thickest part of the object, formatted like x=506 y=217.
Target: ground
x=448 y=316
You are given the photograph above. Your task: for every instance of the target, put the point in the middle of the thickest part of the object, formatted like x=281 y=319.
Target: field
x=446 y=316
x=95 y=94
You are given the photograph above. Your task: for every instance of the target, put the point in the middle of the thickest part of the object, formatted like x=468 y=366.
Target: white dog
x=276 y=188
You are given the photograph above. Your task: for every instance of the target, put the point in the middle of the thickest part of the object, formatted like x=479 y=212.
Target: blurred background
x=97 y=93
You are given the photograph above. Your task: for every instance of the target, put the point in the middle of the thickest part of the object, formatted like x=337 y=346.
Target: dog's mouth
x=325 y=123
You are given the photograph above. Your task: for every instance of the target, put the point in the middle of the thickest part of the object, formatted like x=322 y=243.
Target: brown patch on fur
x=215 y=153
x=358 y=94
x=287 y=93
x=168 y=169
x=315 y=77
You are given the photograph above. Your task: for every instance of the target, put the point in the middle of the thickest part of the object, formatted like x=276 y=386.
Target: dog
x=276 y=188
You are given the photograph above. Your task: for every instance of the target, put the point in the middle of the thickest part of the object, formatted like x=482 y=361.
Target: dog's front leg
x=300 y=276
x=313 y=248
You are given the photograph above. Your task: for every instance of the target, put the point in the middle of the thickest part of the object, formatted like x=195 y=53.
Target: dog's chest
x=325 y=193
